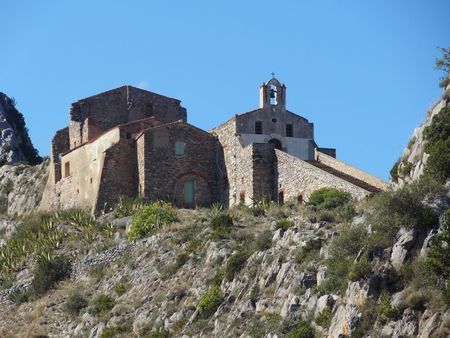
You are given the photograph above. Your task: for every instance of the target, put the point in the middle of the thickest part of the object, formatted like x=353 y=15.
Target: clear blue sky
x=362 y=71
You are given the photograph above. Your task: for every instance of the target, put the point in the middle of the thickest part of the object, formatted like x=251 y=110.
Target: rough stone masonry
x=135 y=143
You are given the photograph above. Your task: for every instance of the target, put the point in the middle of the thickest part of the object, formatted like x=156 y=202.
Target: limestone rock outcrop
x=15 y=143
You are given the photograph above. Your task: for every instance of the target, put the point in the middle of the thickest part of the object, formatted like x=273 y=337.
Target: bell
x=272 y=93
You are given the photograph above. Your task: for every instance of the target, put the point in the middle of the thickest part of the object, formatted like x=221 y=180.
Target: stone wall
x=60 y=145
x=349 y=170
x=80 y=175
x=239 y=164
x=119 y=106
x=297 y=177
x=227 y=138
x=274 y=122
x=264 y=181
x=164 y=172
x=119 y=176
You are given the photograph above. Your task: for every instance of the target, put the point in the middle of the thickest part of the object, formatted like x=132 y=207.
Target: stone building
x=135 y=143
x=270 y=153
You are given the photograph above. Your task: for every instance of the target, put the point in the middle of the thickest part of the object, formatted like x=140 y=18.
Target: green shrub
x=342 y=252
x=309 y=251
x=360 y=269
x=446 y=293
x=235 y=263
x=434 y=269
x=437 y=138
x=210 y=301
x=221 y=224
x=121 y=288
x=151 y=218
x=438 y=255
x=438 y=163
x=328 y=198
x=221 y=219
x=284 y=224
x=403 y=207
x=75 y=302
x=115 y=331
x=102 y=303
x=346 y=212
x=324 y=318
x=217 y=278
x=19 y=296
x=326 y=216
x=332 y=284
x=160 y=334
x=302 y=330
x=48 y=272
x=405 y=169
x=385 y=309
x=263 y=241
x=394 y=172
x=7 y=187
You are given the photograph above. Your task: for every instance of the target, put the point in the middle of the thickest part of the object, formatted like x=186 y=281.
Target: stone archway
x=276 y=143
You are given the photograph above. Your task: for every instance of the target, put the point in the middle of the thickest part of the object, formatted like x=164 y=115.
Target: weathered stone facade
x=270 y=153
x=125 y=142
x=131 y=142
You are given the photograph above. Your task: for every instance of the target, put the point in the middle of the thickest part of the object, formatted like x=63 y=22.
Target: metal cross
x=273 y=74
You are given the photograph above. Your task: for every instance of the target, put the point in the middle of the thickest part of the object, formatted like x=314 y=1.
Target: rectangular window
x=179 y=148
x=189 y=192
x=258 y=127
x=289 y=130
x=67 y=169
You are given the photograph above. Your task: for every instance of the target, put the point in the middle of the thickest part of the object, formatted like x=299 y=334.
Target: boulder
x=405 y=241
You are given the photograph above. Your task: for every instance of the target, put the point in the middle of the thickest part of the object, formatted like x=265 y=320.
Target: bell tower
x=272 y=95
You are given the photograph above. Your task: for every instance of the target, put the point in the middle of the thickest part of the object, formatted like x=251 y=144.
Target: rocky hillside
x=15 y=144
x=412 y=163
x=331 y=269
x=21 y=187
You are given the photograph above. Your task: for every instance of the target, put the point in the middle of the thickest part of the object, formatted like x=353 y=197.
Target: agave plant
x=128 y=206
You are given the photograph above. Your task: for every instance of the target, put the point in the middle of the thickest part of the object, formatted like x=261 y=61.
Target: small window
x=90 y=180
x=274 y=120
x=67 y=169
x=289 y=130
x=179 y=147
x=281 y=198
x=258 y=127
